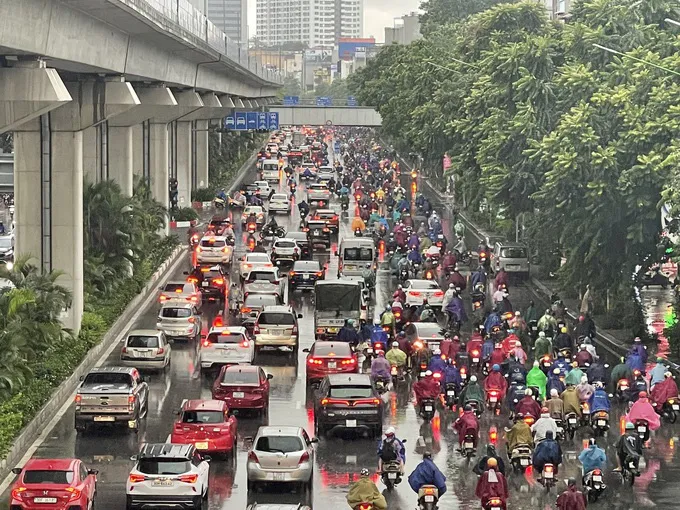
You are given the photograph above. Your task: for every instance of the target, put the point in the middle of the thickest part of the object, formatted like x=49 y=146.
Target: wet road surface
x=338 y=459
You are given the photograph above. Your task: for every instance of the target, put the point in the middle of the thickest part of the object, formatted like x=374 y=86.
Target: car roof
x=242 y=368
x=296 y=236
x=283 y=430
x=144 y=332
x=50 y=464
x=176 y=304
x=204 y=405
x=228 y=329
x=278 y=309
x=325 y=211
x=256 y=255
x=166 y=450
x=340 y=379
x=112 y=369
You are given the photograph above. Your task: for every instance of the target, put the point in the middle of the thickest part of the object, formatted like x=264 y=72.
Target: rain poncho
x=600 y=401
x=487 y=348
x=621 y=371
x=657 y=374
x=571 y=402
x=663 y=391
x=571 y=499
x=491 y=484
x=555 y=383
x=547 y=451
x=396 y=357
x=478 y=276
x=592 y=457
x=555 y=407
x=597 y=372
x=466 y=422
x=585 y=391
x=547 y=322
x=427 y=473
x=643 y=410
x=437 y=364
x=365 y=491
x=635 y=362
x=427 y=387
x=538 y=379
x=640 y=350
x=561 y=364
x=574 y=376
x=348 y=334
x=380 y=367
x=528 y=407
x=492 y=321
x=378 y=334
x=456 y=307
x=452 y=375
x=542 y=347
x=473 y=391
x=544 y=424
x=496 y=381
x=520 y=433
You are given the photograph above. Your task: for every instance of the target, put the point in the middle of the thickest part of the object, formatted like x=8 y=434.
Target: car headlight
x=9 y=266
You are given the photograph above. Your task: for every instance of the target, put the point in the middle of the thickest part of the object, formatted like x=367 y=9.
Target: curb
x=63 y=393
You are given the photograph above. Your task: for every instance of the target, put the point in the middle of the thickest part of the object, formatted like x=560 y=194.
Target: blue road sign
x=351 y=101
x=337 y=146
x=324 y=101
x=291 y=100
x=251 y=118
x=241 y=123
x=229 y=123
x=262 y=120
x=273 y=121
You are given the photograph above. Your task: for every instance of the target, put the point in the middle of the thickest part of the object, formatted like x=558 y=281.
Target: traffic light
x=173 y=192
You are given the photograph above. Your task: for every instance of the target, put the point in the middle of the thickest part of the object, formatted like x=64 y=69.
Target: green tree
x=443 y=12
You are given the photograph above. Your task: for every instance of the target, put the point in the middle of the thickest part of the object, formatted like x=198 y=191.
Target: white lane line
x=167 y=439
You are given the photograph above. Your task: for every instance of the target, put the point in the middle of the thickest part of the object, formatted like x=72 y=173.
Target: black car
x=348 y=401
x=211 y=280
x=303 y=243
x=304 y=274
x=318 y=233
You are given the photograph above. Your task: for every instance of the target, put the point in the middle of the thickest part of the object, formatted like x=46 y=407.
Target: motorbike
x=571 y=423
x=428 y=497
x=193 y=241
x=585 y=414
x=600 y=422
x=520 y=457
x=654 y=278
x=219 y=203
x=403 y=275
x=397 y=374
x=494 y=504
x=629 y=471
x=450 y=396
x=548 y=477
x=670 y=409
x=642 y=427
x=594 y=485
x=390 y=474
x=251 y=242
x=493 y=402
x=251 y=227
x=429 y=274
x=476 y=359
x=358 y=233
x=271 y=232
x=469 y=449
x=427 y=409
x=345 y=206
x=475 y=407
x=237 y=204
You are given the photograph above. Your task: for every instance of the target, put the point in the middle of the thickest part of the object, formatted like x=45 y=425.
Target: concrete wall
x=338 y=116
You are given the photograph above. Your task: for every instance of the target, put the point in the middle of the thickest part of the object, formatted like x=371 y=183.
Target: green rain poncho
x=574 y=376
x=537 y=378
x=473 y=391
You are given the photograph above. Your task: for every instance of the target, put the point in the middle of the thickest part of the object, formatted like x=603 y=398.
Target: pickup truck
x=111 y=395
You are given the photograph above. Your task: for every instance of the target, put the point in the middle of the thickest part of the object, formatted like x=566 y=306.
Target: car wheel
x=128 y=503
x=251 y=486
x=198 y=503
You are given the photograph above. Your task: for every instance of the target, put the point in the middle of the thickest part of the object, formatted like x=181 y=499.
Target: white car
x=417 y=291
x=214 y=250
x=263 y=188
x=226 y=346
x=279 y=203
x=285 y=250
x=325 y=173
x=252 y=209
x=252 y=261
x=263 y=280
x=318 y=192
x=166 y=472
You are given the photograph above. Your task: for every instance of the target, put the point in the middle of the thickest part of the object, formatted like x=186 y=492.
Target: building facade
x=230 y=16
x=316 y=23
x=405 y=30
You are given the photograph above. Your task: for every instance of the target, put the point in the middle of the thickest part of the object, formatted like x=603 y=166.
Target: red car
x=207 y=425
x=243 y=387
x=53 y=483
x=330 y=358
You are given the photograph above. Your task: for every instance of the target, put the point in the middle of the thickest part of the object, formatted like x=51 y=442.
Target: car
x=417 y=291
x=325 y=358
x=285 y=250
x=145 y=348
x=279 y=203
x=253 y=260
x=251 y=189
x=302 y=240
x=330 y=217
x=318 y=193
x=7 y=249
x=257 y=210
x=226 y=345
x=53 y=483
x=263 y=187
x=305 y=274
x=243 y=387
x=513 y=257
x=179 y=321
x=183 y=292
x=254 y=303
x=214 y=250
x=263 y=280
x=325 y=174
x=208 y=425
x=348 y=401
x=318 y=233
x=281 y=454
x=429 y=334
x=168 y=475
x=212 y=280
x=277 y=326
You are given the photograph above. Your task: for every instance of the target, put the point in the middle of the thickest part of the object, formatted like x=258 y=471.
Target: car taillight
x=292 y=273
x=191 y=320
x=75 y=493
x=350 y=361
x=304 y=458
x=131 y=402
x=193 y=478
x=135 y=478
x=252 y=456
x=18 y=492
x=206 y=343
x=123 y=350
x=256 y=329
x=295 y=329
x=438 y=293
x=314 y=361
x=198 y=249
x=245 y=344
x=193 y=299
x=218 y=281
x=161 y=350
x=319 y=273
x=245 y=309
x=414 y=293
x=163 y=298
x=78 y=399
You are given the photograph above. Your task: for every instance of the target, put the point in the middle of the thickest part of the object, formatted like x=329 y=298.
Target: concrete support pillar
x=122 y=164
x=158 y=161
x=202 y=179
x=91 y=162
x=137 y=150
x=184 y=163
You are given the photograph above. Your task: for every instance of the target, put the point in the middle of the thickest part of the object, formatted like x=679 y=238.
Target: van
x=355 y=253
x=513 y=257
x=270 y=170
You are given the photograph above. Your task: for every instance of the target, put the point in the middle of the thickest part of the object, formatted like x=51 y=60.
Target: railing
x=193 y=22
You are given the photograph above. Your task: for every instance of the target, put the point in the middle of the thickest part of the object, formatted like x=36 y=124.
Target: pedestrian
x=587 y=301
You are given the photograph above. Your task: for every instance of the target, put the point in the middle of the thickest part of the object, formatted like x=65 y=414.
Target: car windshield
x=202 y=417
x=332 y=349
x=266 y=276
x=423 y=284
x=285 y=244
x=45 y=476
x=276 y=319
x=5 y=242
x=257 y=257
x=318 y=187
x=142 y=341
x=175 y=313
x=425 y=330
x=357 y=254
x=209 y=243
x=164 y=466
x=306 y=265
x=174 y=287
x=513 y=253
x=351 y=392
x=236 y=377
x=107 y=378
x=278 y=198
x=225 y=338
x=338 y=297
x=279 y=444
x=260 y=300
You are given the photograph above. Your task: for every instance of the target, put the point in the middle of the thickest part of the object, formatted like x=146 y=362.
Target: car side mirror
x=17 y=470
x=299 y=316
x=314 y=440
x=185 y=272
x=336 y=253
x=81 y=378
x=207 y=458
x=92 y=471
x=133 y=457
x=305 y=350
x=270 y=377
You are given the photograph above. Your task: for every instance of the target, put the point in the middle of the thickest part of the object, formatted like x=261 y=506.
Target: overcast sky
x=378 y=14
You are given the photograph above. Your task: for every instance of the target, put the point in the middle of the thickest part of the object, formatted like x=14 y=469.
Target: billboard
x=349 y=46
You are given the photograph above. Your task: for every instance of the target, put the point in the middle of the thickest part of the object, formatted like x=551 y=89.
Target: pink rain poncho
x=643 y=410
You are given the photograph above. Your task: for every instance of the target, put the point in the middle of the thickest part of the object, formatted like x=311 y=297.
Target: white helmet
x=390 y=431
x=437 y=352
x=395 y=344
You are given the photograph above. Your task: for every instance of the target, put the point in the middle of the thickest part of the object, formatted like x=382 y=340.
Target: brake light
x=245 y=309
x=192 y=279
x=135 y=478
x=163 y=298
x=365 y=506
x=295 y=329
x=414 y=293
x=429 y=491
x=350 y=361
x=252 y=457
x=75 y=493
x=437 y=375
x=193 y=478
x=463 y=371
x=191 y=320
x=326 y=401
x=161 y=350
x=245 y=344
x=218 y=321
x=304 y=458
x=493 y=434
x=319 y=273
x=178 y=291
x=418 y=344
x=218 y=281
x=18 y=492
x=193 y=299
x=529 y=420
x=548 y=468
x=198 y=249
x=292 y=273
x=78 y=399
x=131 y=402
x=225 y=249
x=314 y=361
x=475 y=353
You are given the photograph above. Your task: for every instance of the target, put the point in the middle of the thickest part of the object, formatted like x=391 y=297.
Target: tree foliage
x=437 y=13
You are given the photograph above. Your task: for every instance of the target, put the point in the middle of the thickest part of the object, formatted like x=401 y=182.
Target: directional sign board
x=244 y=121
x=229 y=123
x=291 y=100
x=324 y=101
x=241 y=123
x=351 y=101
x=251 y=118
x=262 y=120
x=273 y=121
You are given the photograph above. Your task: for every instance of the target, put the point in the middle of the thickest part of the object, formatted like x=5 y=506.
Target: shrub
x=185 y=214
x=202 y=195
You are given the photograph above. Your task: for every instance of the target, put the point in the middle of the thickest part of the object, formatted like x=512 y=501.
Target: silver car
x=214 y=250
x=253 y=305
x=318 y=192
x=281 y=455
x=266 y=280
x=179 y=320
x=145 y=348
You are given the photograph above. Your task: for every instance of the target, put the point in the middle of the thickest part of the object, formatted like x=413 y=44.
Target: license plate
x=369 y=350
x=239 y=394
x=317 y=232
x=601 y=423
x=392 y=476
x=469 y=445
x=162 y=483
x=495 y=508
x=279 y=477
x=428 y=408
x=429 y=499
x=534 y=328
x=205 y=284
x=642 y=429
x=422 y=374
x=104 y=418
x=350 y=423
x=44 y=500
x=450 y=393
x=332 y=330
x=332 y=364
x=493 y=400
x=305 y=277
x=202 y=446
x=524 y=462
x=676 y=407
x=548 y=474
x=276 y=332
x=597 y=478
x=572 y=421
x=475 y=360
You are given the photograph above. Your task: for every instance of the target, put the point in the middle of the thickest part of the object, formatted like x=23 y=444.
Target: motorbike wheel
x=592 y=497
x=571 y=434
x=388 y=483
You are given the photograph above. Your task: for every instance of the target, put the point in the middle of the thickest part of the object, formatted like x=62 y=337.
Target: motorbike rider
x=493 y=321
x=456 y=310
x=518 y=353
x=358 y=224
x=365 y=491
x=640 y=349
x=491 y=453
x=592 y=457
x=629 y=448
x=583 y=357
x=600 y=400
x=502 y=278
x=562 y=364
x=547 y=451
x=537 y=379
x=427 y=473
x=259 y=247
x=642 y=410
x=520 y=433
x=663 y=391
x=621 y=371
x=571 y=402
x=457 y=279
x=448 y=296
x=531 y=315
x=563 y=340
x=391 y=449
x=477 y=277
x=591 y=348
x=414 y=257
x=474 y=344
x=427 y=313
x=597 y=372
x=528 y=406
x=499 y=295
x=303 y=206
x=451 y=375
x=467 y=423
x=639 y=385
x=396 y=356
x=427 y=387
x=235 y=297
x=518 y=323
x=572 y=498
x=497 y=355
x=348 y=333
x=547 y=322
x=492 y=484
x=585 y=390
x=542 y=346
x=555 y=406
x=634 y=361
x=544 y=425
x=657 y=373
x=380 y=367
x=437 y=364
x=472 y=392
x=555 y=381
x=387 y=318
x=496 y=382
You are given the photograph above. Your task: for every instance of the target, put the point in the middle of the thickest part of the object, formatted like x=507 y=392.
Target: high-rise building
x=405 y=30
x=230 y=16
x=312 y=22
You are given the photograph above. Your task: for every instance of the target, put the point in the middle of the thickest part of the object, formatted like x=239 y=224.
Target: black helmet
x=427 y=454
